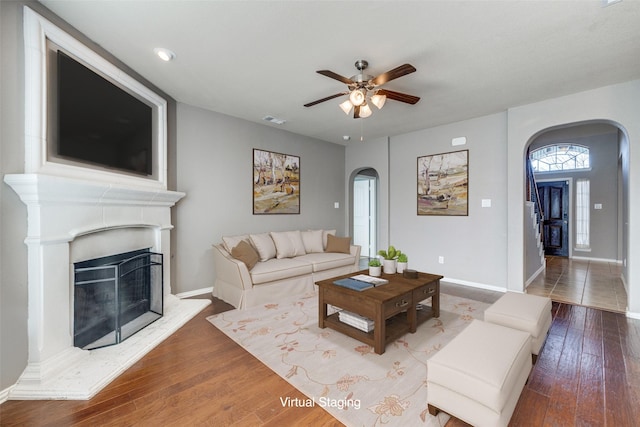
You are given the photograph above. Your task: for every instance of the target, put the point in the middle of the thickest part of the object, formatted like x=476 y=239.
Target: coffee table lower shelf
x=395 y=327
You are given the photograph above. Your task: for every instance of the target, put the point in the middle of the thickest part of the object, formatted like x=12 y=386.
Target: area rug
x=341 y=374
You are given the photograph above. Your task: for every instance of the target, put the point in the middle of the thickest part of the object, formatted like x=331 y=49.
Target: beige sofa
x=290 y=262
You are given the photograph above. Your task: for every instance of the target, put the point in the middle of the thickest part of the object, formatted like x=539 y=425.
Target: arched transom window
x=560 y=157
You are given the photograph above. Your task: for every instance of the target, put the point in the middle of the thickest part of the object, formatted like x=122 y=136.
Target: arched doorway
x=590 y=271
x=364 y=207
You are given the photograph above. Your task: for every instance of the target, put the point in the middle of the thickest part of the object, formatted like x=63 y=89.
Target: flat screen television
x=98 y=123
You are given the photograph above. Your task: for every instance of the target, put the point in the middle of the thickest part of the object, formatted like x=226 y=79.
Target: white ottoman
x=528 y=313
x=479 y=375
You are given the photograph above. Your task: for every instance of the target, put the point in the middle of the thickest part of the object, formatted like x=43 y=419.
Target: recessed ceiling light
x=164 y=54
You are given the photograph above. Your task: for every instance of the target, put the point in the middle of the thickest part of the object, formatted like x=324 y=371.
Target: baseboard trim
x=4 y=394
x=195 y=293
x=633 y=315
x=473 y=284
x=536 y=274
x=586 y=258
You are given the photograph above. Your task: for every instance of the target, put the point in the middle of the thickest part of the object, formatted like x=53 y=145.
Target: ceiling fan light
x=357 y=97
x=365 y=111
x=346 y=106
x=378 y=100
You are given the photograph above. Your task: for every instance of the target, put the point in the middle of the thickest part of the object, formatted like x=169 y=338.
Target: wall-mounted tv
x=97 y=123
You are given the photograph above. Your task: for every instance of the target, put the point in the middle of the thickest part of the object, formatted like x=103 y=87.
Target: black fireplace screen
x=115 y=297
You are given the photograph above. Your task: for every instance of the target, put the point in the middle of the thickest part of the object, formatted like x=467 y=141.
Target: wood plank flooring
x=588 y=373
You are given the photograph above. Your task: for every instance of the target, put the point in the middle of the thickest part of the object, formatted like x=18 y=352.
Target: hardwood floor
x=588 y=373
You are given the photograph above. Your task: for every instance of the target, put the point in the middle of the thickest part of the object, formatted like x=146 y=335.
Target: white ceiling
x=250 y=59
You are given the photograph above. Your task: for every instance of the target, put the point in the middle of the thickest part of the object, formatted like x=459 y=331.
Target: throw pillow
x=325 y=233
x=230 y=242
x=264 y=244
x=288 y=244
x=312 y=240
x=244 y=252
x=338 y=244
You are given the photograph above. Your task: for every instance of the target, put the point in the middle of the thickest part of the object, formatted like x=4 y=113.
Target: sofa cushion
x=338 y=244
x=288 y=244
x=264 y=244
x=327 y=260
x=278 y=269
x=231 y=242
x=245 y=253
x=312 y=240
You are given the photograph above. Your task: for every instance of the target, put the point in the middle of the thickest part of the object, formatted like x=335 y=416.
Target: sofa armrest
x=355 y=251
x=229 y=269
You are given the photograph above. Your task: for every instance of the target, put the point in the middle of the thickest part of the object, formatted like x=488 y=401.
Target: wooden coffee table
x=392 y=306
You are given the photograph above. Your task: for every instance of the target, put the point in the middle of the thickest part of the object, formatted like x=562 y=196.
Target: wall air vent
x=273 y=120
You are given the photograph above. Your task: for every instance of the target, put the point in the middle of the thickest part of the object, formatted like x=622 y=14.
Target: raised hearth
x=71 y=220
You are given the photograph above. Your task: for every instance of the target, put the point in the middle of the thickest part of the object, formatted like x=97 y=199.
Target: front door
x=554 y=197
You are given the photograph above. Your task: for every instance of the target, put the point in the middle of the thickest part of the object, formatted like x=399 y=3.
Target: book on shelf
x=363 y=323
x=375 y=281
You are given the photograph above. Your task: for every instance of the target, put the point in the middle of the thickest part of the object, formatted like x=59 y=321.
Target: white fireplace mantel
x=60 y=212
x=77 y=212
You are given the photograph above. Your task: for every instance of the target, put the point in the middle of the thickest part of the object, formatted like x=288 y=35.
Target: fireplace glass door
x=115 y=297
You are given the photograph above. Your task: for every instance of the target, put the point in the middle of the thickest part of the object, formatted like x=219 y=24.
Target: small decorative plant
x=389 y=254
x=402 y=263
x=375 y=267
x=375 y=263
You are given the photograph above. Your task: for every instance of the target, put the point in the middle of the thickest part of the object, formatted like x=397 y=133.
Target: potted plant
x=403 y=262
x=389 y=262
x=375 y=267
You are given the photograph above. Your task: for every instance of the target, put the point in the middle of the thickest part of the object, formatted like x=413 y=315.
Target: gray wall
x=473 y=246
x=13 y=217
x=603 y=178
x=214 y=163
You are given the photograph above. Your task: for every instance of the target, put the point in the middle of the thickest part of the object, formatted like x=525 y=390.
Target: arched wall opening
x=593 y=228
x=617 y=105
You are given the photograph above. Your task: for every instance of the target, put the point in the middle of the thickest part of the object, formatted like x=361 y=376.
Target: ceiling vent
x=273 y=120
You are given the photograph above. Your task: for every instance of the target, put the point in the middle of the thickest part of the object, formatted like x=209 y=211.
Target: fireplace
x=115 y=297
x=77 y=213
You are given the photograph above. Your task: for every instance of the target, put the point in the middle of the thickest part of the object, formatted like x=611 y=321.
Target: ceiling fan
x=364 y=88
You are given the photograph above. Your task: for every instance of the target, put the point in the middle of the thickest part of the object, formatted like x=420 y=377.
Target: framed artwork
x=443 y=184
x=276 y=183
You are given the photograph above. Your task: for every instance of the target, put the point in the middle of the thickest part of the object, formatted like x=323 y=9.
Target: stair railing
x=534 y=196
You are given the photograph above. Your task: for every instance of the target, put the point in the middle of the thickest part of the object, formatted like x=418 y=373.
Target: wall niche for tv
x=95 y=122
x=86 y=116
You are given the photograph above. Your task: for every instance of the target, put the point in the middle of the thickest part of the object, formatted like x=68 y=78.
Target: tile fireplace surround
x=69 y=220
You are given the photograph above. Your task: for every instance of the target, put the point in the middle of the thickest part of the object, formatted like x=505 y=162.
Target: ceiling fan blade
x=398 y=96
x=325 y=99
x=400 y=71
x=335 y=76
x=356 y=112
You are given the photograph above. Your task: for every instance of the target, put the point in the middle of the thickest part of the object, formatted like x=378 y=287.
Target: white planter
x=389 y=266
x=401 y=266
x=375 y=271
